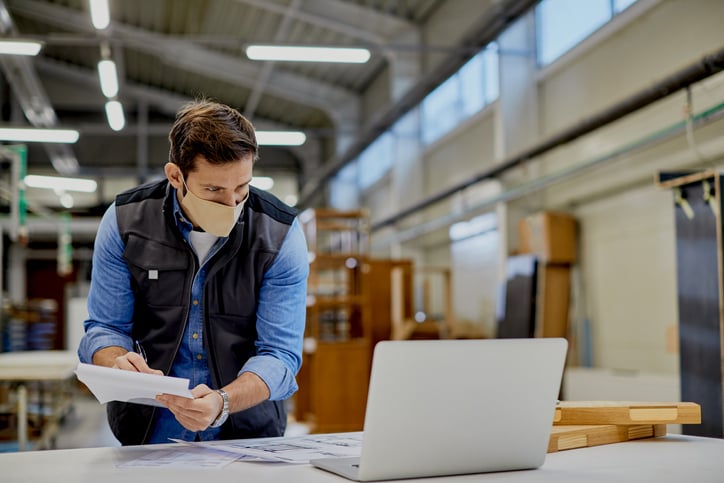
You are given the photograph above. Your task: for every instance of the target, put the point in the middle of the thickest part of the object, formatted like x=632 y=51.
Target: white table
x=42 y=367
x=674 y=458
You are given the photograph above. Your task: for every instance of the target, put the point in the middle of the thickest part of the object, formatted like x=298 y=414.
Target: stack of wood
x=592 y=423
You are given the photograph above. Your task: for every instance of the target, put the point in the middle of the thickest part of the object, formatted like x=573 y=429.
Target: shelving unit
x=337 y=351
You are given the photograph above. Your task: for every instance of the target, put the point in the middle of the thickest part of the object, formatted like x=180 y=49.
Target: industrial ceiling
x=169 y=52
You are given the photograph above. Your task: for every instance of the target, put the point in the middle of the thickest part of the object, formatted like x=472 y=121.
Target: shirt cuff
x=274 y=373
x=95 y=340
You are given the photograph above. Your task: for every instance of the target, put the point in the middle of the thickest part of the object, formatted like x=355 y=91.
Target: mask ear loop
x=183 y=180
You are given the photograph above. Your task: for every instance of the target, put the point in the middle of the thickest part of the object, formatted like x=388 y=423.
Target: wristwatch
x=224 y=410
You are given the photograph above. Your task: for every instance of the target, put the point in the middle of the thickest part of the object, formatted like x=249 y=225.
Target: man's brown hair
x=215 y=131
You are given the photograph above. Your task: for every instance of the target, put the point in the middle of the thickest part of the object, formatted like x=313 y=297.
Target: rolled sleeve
x=110 y=299
x=278 y=378
x=281 y=315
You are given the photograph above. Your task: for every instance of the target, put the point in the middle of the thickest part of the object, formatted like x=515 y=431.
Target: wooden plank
x=583 y=436
x=624 y=412
x=671 y=179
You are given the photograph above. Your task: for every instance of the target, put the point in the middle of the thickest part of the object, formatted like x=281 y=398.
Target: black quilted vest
x=154 y=243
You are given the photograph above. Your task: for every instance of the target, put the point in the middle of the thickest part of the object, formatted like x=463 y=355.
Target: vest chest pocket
x=158 y=271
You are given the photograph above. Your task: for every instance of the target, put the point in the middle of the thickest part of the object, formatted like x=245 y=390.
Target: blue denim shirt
x=280 y=318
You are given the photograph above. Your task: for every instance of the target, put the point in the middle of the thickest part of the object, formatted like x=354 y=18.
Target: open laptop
x=447 y=407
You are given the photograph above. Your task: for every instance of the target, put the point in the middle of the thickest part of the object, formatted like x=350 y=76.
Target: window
x=343 y=188
x=563 y=24
x=440 y=110
x=376 y=160
x=492 y=83
x=466 y=92
x=472 y=83
x=621 y=5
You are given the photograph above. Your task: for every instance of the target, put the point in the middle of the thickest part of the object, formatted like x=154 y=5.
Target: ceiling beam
x=341 y=17
x=194 y=58
x=263 y=79
x=29 y=92
x=163 y=101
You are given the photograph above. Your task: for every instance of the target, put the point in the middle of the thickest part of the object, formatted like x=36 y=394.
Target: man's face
x=227 y=183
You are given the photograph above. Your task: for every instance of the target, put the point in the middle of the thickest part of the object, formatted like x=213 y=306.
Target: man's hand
x=131 y=361
x=119 y=358
x=194 y=414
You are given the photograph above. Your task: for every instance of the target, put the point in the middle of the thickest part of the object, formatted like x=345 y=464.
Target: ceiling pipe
x=485 y=33
x=695 y=72
x=471 y=209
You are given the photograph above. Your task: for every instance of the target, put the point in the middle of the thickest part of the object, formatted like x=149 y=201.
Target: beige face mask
x=214 y=218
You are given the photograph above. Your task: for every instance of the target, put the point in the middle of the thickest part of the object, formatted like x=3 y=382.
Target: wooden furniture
x=549 y=235
x=387 y=296
x=697 y=205
x=337 y=350
x=669 y=459
x=390 y=287
x=552 y=238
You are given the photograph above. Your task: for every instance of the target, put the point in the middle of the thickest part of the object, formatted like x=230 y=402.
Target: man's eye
x=212 y=189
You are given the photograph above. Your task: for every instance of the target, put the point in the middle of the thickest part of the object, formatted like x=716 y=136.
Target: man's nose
x=233 y=199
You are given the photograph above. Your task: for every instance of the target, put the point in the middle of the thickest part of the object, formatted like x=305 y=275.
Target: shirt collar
x=181 y=221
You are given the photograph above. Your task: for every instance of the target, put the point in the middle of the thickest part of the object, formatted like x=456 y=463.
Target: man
x=207 y=276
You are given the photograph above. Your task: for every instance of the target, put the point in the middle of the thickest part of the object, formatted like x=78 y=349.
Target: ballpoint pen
x=139 y=349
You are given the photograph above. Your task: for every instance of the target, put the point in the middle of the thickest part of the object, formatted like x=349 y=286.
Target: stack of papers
x=108 y=384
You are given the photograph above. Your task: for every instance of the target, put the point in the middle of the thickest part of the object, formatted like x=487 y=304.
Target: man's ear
x=173 y=175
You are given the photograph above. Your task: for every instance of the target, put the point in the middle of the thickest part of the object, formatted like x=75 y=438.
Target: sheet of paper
x=297 y=449
x=108 y=384
x=186 y=458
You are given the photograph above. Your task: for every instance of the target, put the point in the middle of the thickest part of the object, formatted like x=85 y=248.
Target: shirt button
x=195 y=336
x=196 y=302
x=199 y=356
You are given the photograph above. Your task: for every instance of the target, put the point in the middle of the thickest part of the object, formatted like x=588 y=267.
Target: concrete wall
x=626 y=285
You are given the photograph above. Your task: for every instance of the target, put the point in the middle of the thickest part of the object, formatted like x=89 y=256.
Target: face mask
x=214 y=218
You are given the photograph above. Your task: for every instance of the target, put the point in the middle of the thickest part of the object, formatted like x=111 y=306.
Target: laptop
x=449 y=407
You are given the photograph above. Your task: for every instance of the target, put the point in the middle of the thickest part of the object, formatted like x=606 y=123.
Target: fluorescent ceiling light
x=32 y=135
x=280 y=138
x=293 y=53
x=100 y=14
x=20 y=47
x=109 y=78
x=262 y=182
x=60 y=183
x=114 y=114
x=66 y=200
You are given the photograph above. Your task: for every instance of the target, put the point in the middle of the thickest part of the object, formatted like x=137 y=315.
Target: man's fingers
x=132 y=361
x=194 y=414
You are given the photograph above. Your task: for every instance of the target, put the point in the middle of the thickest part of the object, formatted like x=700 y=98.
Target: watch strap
x=224 y=409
